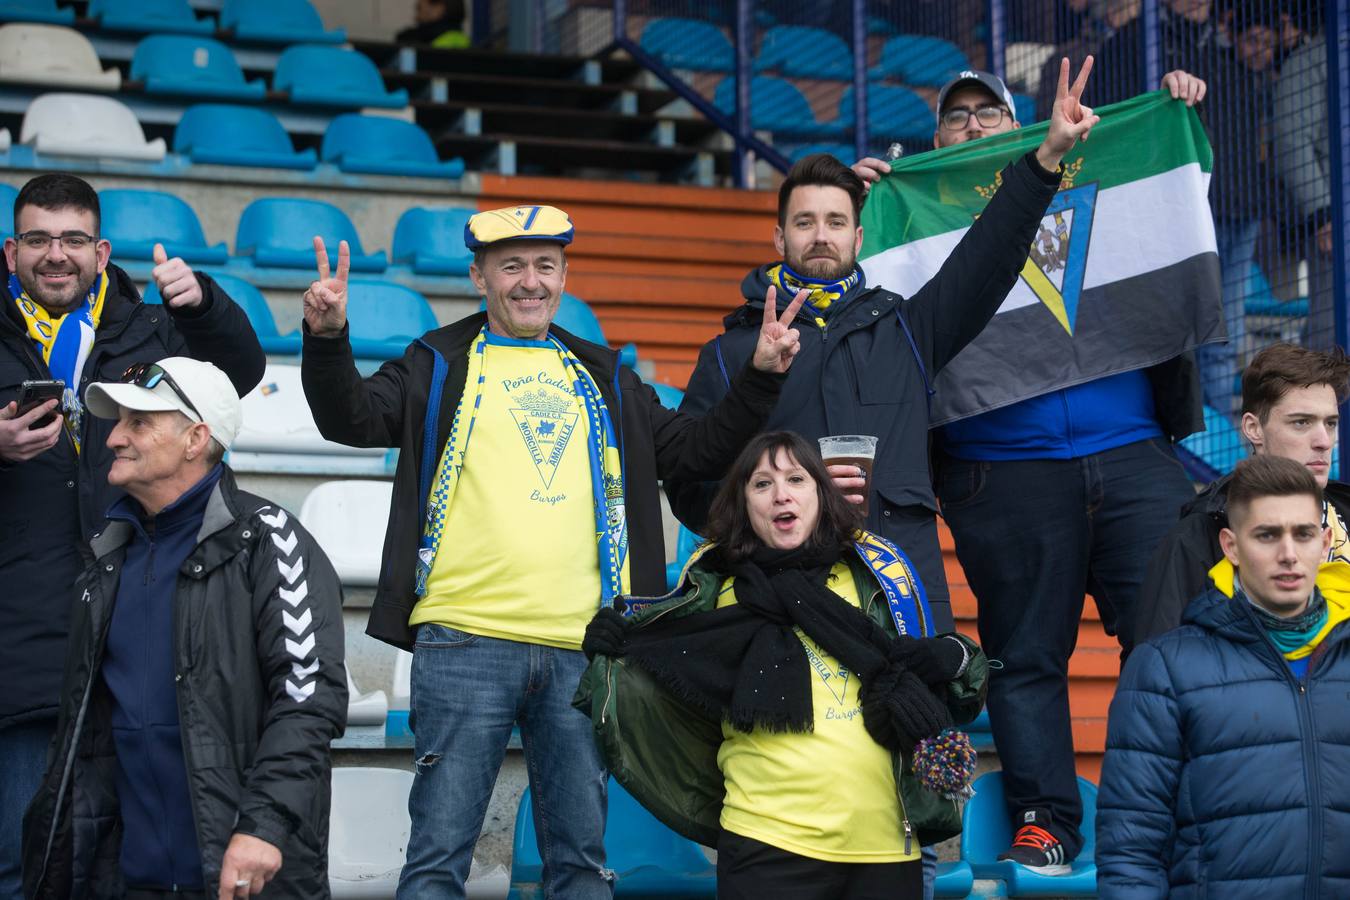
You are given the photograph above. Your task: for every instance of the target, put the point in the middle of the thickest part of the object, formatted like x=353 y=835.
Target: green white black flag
x=1123 y=272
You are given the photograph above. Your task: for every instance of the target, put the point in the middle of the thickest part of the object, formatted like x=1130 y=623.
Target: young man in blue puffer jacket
x=1229 y=740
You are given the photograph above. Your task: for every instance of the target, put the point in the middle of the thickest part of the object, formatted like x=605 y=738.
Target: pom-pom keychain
x=946 y=764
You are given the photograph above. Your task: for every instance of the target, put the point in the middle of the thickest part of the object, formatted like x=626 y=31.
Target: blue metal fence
x=784 y=78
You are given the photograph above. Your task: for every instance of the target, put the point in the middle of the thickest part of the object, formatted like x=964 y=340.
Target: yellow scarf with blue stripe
x=607 y=487
x=821 y=295
x=64 y=341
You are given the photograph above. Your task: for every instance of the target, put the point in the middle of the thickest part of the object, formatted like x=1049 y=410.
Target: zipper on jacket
x=1311 y=770
x=909 y=831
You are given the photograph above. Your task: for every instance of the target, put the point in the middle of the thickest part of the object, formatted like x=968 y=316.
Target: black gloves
x=899 y=710
x=607 y=634
x=935 y=660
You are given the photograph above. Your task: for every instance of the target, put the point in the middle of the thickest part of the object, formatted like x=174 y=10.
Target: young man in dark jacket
x=525 y=498
x=1291 y=400
x=1227 y=742
x=70 y=315
x=869 y=356
x=205 y=678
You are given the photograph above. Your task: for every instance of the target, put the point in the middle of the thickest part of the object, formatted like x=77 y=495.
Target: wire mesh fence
x=855 y=77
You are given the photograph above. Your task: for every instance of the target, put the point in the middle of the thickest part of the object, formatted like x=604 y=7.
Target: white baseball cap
x=194 y=388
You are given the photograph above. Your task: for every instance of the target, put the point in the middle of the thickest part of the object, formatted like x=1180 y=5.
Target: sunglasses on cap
x=148 y=375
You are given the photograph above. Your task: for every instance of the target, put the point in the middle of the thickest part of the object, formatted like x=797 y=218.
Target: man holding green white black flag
x=1055 y=467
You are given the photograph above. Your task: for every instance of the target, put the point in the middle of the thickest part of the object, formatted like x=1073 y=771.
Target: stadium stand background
x=203 y=126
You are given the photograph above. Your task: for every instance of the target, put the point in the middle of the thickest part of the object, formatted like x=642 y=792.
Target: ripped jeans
x=467 y=693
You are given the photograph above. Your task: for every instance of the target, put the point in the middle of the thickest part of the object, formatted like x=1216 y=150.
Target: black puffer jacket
x=262 y=691
x=51 y=504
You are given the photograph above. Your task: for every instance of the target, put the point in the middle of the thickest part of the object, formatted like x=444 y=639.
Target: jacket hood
x=1212 y=501
x=1215 y=611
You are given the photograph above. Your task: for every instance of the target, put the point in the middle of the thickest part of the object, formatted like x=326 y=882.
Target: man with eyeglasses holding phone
x=69 y=316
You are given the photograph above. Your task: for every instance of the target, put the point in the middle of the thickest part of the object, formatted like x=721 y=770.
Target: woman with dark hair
x=771 y=706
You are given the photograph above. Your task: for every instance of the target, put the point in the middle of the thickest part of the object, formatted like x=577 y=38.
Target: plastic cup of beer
x=851 y=450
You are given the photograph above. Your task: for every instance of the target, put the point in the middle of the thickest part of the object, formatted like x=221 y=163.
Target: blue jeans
x=1220 y=363
x=467 y=693
x=1034 y=536
x=23 y=761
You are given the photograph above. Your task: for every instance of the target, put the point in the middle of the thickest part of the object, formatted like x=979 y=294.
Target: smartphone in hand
x=33 y=394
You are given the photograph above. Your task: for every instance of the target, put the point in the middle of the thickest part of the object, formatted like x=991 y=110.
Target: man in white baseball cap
x=206 y=663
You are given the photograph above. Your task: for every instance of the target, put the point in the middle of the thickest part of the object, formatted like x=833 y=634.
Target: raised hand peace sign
x=326 y=299
x=778 y=341
x=1070 y=120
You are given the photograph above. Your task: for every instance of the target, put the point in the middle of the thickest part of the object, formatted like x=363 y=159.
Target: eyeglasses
x=148 y=375
x=71 y=241
x=988 y=116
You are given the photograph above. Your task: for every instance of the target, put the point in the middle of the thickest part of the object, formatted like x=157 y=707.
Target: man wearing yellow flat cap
x=525 y=498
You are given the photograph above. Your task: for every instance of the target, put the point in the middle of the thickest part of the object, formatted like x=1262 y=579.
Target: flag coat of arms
x=1123 y=273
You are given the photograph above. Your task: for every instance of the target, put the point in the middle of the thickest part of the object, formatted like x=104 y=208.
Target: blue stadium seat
x=384 y=318
x=149 y=16
x=1024 y=108
x=1258 y=299
x=135 y=220
x=777 y=106
x=254 y=305
x=191 y=66
x=251 y=300
x=8 y=195
x=35 y=11
x=920 y=60
x=648 y=858
x=893 y=113
x=218 y=134
x=1220 y=445
x=277 y=22
x=575 y=316
x=331 y=76
x=803 y=51
x=981 y=732
x=842 y=152
x=986 y=832
x=279 y=231
x=686 y=542
x=671 y=397
x=954 y=879
x=688 y=44
x=379 y=145
x=431 y=241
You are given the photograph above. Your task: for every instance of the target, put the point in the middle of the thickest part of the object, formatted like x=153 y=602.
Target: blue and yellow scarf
x=64 y=342
x=821 y=294
x=607 y=488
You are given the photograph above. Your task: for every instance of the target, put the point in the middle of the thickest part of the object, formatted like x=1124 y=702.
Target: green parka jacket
x=664 y=752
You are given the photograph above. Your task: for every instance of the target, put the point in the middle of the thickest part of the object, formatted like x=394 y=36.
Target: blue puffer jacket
x=1224 y=775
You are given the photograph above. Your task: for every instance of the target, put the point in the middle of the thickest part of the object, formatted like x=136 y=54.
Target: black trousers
x=1034 y=536
x=750 y=870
